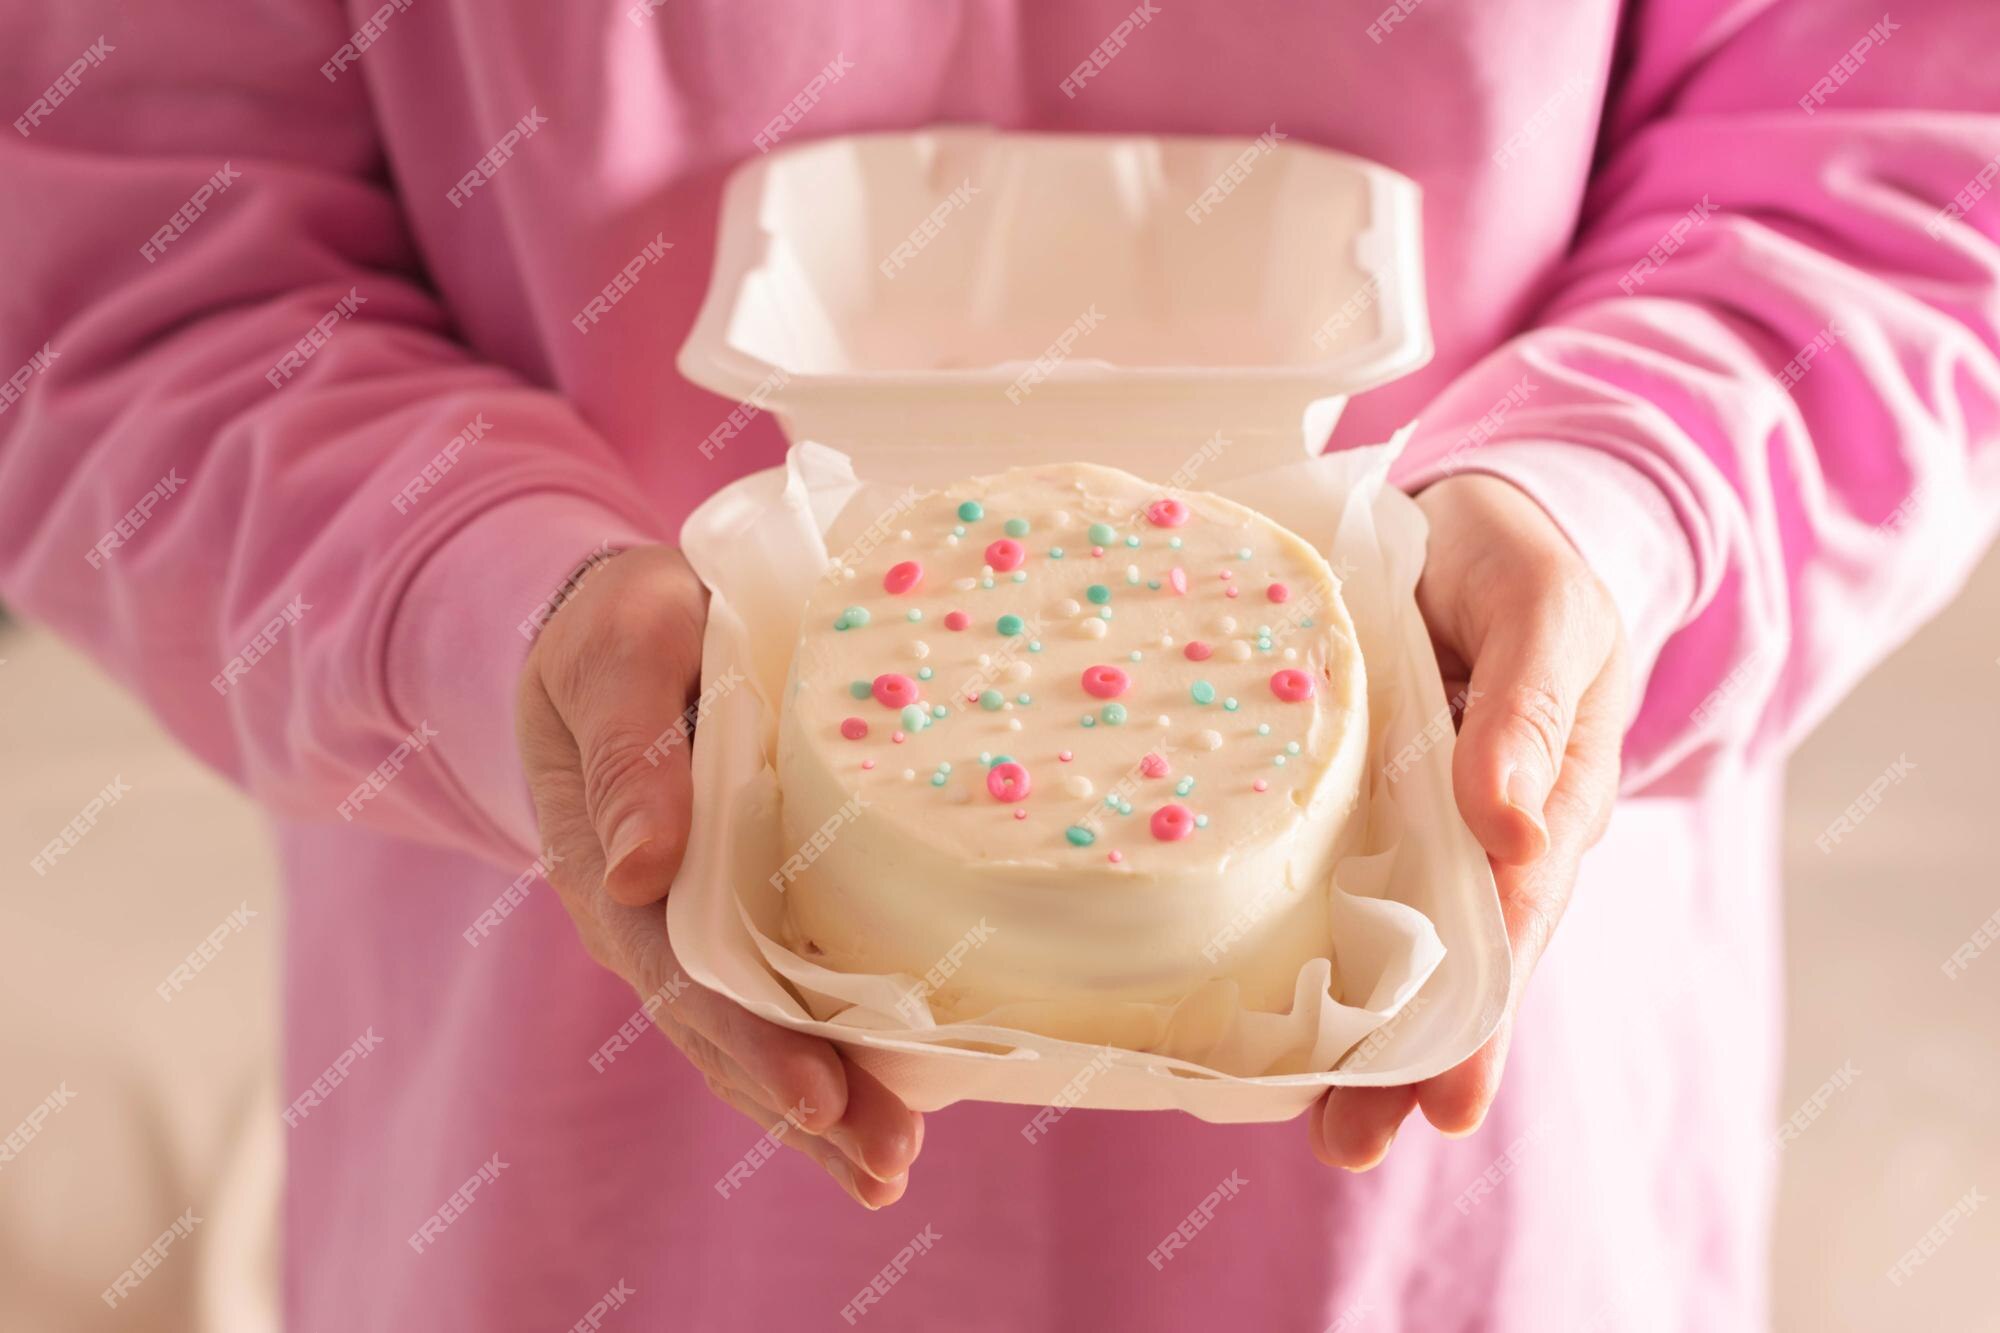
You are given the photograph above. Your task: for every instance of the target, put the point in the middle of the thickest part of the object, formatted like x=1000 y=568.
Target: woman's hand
x=1530 y=636
x=604 y=716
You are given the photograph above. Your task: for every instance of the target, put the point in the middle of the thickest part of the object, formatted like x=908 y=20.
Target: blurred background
x=152 y=1106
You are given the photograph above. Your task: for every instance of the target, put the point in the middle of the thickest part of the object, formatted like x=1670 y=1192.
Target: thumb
x=1531 y=669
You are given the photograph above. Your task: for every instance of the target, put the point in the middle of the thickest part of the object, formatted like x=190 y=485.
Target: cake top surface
x=1068 y=666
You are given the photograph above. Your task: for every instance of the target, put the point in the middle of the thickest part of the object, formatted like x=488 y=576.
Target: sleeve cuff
x=1619 y=521
x=461 y=637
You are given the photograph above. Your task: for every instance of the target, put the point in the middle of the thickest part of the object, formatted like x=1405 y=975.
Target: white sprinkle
x=1164 y=720
x=1092 y=628
x=986 y=659
x=1077 y=785
x=1208 y=740
x=965 y=585
x=1020 y=671
x=1226 y=625
x=1291 y=654
x=909 y=775
x=1068 y=608
x=1166 y=641
x=1013 y=723
x=903 y=536
x=919 y=649
x=1239 y=651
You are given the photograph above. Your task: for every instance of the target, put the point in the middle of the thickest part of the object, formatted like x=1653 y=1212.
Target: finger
x=1457 y=1101
x=1533 y=666
x=795 y=1072
x=877 y=1132
x=627 y=697
x=1352 y=1128
x=870 y=1193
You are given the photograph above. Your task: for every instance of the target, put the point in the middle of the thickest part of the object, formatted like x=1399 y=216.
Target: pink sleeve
x=1762 y=394
x=244 y=462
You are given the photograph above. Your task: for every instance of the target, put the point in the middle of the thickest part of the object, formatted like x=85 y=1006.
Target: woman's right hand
x=604 y=717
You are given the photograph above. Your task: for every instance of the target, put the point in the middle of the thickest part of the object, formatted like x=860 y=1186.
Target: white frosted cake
x=1061 y=732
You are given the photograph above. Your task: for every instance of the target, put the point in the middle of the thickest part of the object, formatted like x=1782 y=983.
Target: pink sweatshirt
x=253 y=304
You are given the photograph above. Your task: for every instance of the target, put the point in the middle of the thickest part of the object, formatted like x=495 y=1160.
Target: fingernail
x=843 y=1175
x=1378 y=1158
x=629 y=837
x=843 y=1138
x=1527 y=793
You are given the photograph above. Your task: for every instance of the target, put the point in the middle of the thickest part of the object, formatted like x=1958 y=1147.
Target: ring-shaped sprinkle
x=1105 y=682
x=1291 y=685
x=1166 y=513
x=1172 y=822
x=1005 y=554
x=902 y=577
x=1008 y=782
x=892 y=689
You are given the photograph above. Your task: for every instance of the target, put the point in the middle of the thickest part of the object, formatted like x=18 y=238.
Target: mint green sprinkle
x=991 y=700
x=1055 y=553
x=914 y=718
x=1263 y=728
x=944 y=766
x=1023 y=699
x=1201 y=821
x=1174 y=542
x=1102 y=534
x=1016 y=527
x=1202 y=692
x=1034 y=645
x=1307 y=623
x=937 y=779
x=958 y=529
x=860 y=689
x=986 y=582
x=1278 y=759
x=1154 y=584
x=1003 y=758
x=1138 y=656
x=1243 y=554
x=1291 y=747
x=1263 y=631
x=1009 y=625
x=1020 y=576
x=937 y=710
x=1104 y=613
x=1229 y=704
x=855 y=615
x=1098 y=594
x=1089 y=720
x=1112 y=800
x=840 y=622
x=1113 y=714
x=915 y=615
x=1132 y=541
x=972 y=511
x=1079 y=836
x=1184 y=786
x=923 y=673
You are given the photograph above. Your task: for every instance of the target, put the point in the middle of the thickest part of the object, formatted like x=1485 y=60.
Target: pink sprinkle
x=956 y=620
x=1292 y=685
x=1260 y=785
x=1065 y=756
x=1105 y=682
x=1197 y=651
x=853 y=728
x=1115 y=857
x=1227 y=575
x=1008 y=782
x=1229 y=591
x=868 y=763
x=1097 y=550
x=896 y=736
x=1020 y=814
x=1171 y=823
x=1278 y=592
x=1154 y=766
x=892 y=689
x=1177 y=580
x=1166 y=513
x=1005 y=555
x=902 y=578
x=972 y=696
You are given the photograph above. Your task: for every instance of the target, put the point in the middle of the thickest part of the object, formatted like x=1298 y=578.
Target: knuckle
x=1537 y=713
x=616 y=764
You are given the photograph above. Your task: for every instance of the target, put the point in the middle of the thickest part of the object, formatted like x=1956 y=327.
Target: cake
x=1059 y=733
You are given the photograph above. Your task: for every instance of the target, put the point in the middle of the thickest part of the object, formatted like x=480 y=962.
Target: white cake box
x=1197 y=311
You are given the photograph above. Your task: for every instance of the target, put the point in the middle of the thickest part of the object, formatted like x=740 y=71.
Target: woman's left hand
x=1531 y=637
